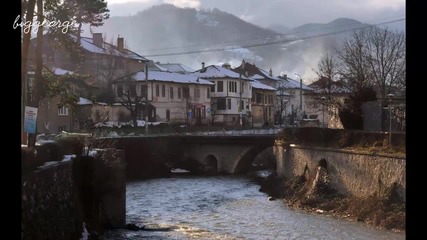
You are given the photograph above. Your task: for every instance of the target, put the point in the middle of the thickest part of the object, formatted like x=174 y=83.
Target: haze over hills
x=163 y=32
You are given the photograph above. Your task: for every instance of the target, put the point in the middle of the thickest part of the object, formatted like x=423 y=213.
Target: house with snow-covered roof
x=230 y=93
x=334 y=94
x=262 y=104
x=103 y=61
x=173 y=97
x=287 y=96
x=175 y=67
x=56 y=109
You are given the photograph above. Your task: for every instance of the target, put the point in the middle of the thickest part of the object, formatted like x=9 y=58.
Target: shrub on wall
x=71 y=145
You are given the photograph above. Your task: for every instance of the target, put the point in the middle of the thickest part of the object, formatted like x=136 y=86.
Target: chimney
x=285 y=76
x=97 y=39
x=203 y=67
x=120 y=43
x=270 y=73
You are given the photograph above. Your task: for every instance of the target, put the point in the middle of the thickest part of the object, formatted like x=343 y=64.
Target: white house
x=176 y=97
x=230 y=93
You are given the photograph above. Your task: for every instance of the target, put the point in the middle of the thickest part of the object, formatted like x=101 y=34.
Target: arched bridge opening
x=245 y=160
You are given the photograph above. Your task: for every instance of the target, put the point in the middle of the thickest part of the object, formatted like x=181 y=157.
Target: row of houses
x=174 y=93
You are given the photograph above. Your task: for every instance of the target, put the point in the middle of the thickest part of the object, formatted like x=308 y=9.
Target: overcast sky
x=290 y=13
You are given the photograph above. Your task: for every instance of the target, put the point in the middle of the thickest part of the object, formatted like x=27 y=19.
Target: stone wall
x=58 y=198
x=352 y=173
x=50 y=209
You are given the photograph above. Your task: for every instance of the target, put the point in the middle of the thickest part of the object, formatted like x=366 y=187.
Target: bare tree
x=374 y=57
x=133 y=103
x=353 y=67
x=329 y=88
x=386 y=58
x=110 y=66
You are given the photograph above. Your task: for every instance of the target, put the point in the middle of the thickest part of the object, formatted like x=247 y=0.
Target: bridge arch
x=246 y=157
x=210 y=164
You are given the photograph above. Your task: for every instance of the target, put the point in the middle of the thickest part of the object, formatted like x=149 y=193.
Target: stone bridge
x=151 y=156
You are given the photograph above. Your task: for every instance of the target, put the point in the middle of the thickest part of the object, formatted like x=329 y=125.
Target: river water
x=226 y=207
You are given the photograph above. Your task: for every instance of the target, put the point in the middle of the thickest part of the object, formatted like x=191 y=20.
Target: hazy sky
x=290 y=13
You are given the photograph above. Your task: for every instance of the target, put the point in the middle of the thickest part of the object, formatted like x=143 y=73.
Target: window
x=232 y=86
x=144 y=91
x=132 y=90
x=220 y=86
x=186 y=92
x=63 y=111
x=258 y=98
x=157 y=90
x=220 y=104
x=179 y=93
x=208 y=93
x=212 y=88
x=196 y=93
x=163 y=91
x=119 y=91
x=243 y=87
x=229 y=103
x=171 y=92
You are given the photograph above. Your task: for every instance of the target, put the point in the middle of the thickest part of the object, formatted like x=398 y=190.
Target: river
x=226 y=207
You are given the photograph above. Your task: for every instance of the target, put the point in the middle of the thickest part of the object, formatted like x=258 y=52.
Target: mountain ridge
x=167 y=29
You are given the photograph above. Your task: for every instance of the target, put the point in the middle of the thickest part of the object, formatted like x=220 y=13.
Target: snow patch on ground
x=85 y=233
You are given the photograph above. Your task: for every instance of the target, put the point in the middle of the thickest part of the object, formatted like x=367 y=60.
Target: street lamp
x=300 y=92
x=389 y=97
x=323 y=99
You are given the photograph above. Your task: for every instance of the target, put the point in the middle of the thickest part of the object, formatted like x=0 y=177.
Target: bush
x=71 y=145
x=49 y=152
x=29 y=162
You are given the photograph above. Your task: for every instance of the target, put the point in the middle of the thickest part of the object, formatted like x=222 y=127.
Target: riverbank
x=316 y=196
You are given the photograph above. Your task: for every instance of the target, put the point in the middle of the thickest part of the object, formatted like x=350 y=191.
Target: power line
x=270 y=43
x=221 y=49
x=264 y=37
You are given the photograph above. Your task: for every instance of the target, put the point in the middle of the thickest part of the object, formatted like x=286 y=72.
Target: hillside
x=164 y=32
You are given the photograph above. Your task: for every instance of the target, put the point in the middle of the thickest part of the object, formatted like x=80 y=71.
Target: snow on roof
x=156 y=67
x=257 y=76
x=290 y=83
x=170 y=77
x=258 y=85
x=266 y=74
x=176 y=67
x=84 y=101
x=60 y=71
x=213 y=71
x=87 y=44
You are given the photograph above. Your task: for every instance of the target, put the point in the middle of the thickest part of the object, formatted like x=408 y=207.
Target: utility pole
x=300 y=93
x=146 y=98
x=241 y=86
x=240 y=102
